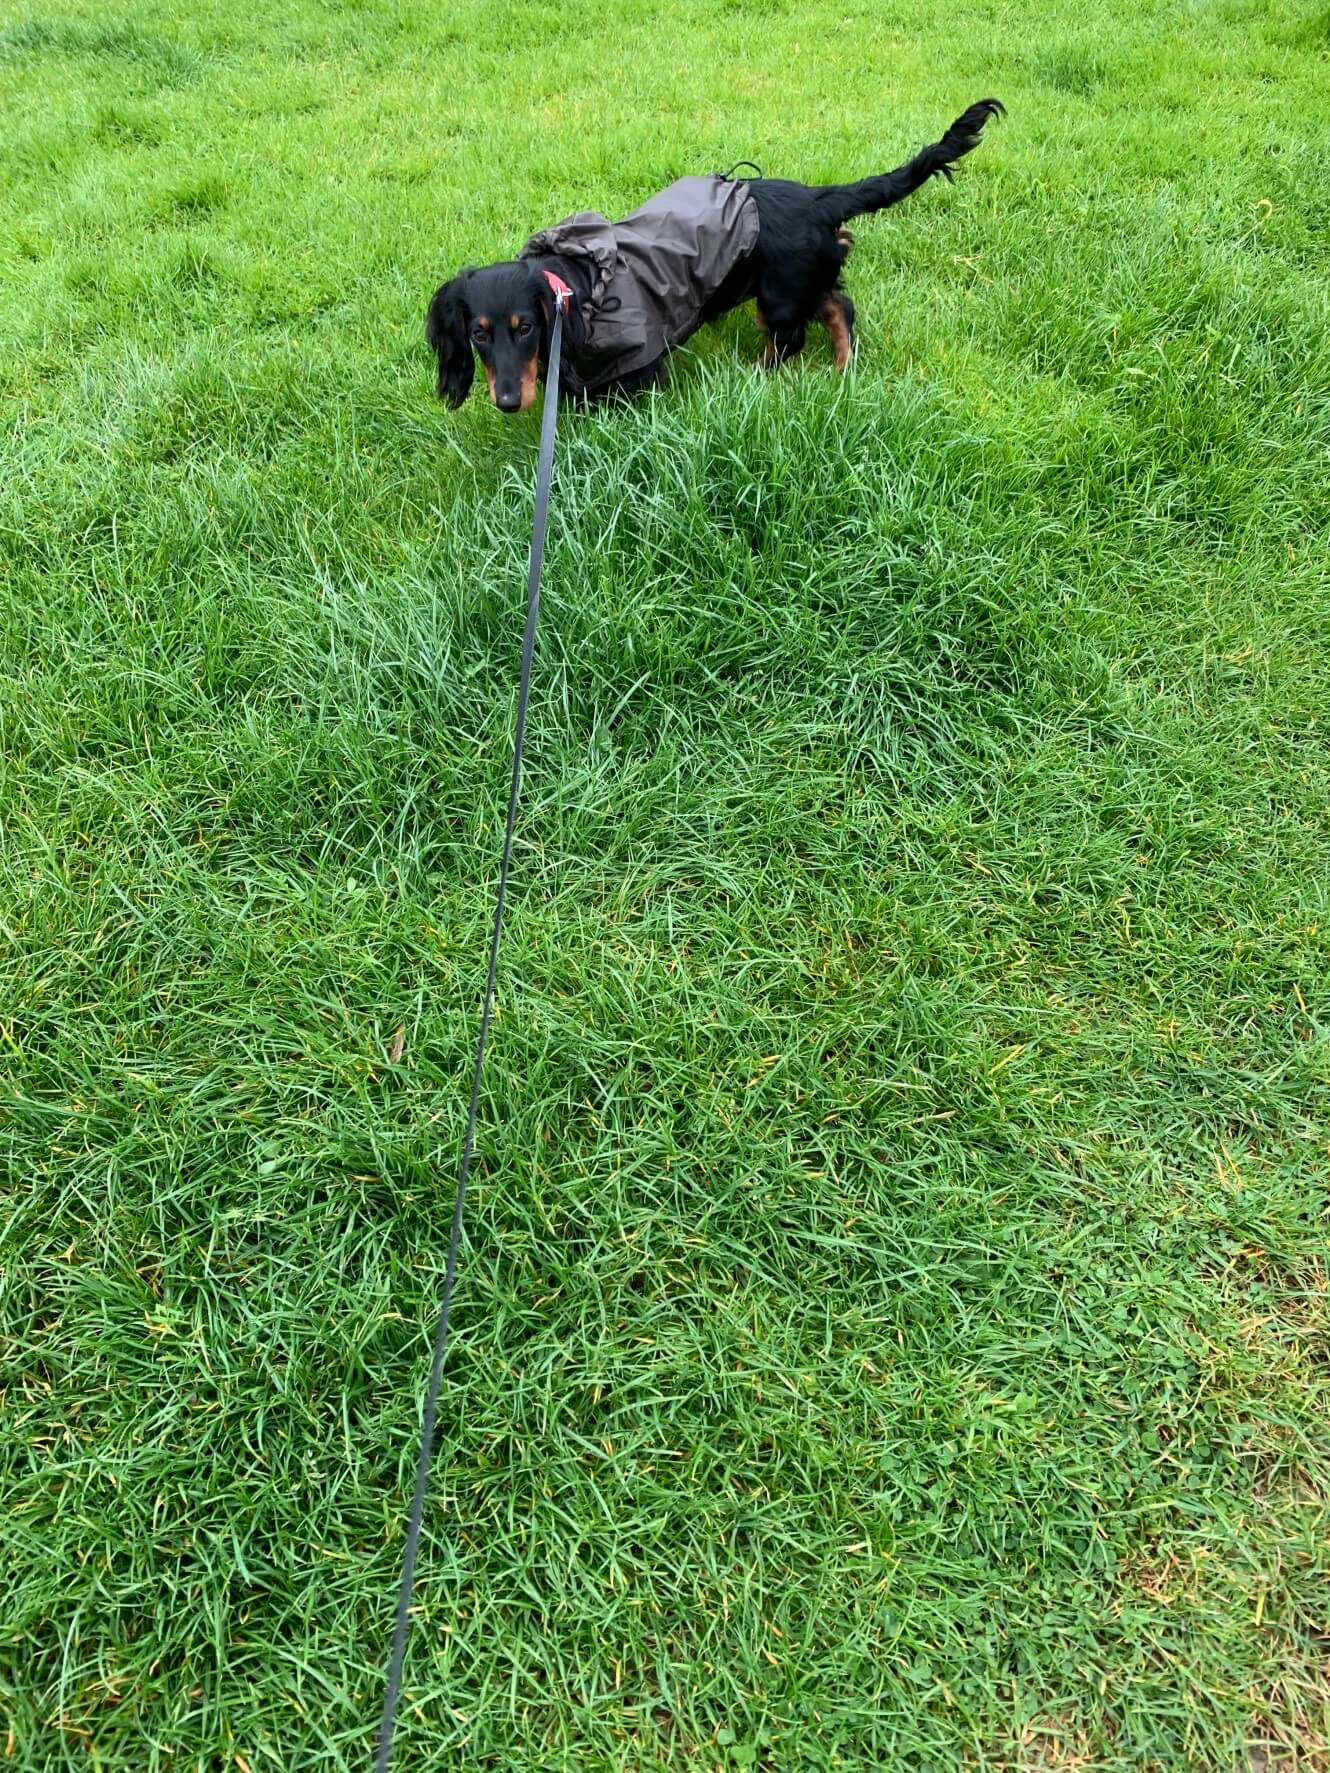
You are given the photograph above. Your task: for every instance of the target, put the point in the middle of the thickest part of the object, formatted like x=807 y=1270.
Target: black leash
x=392 y=1692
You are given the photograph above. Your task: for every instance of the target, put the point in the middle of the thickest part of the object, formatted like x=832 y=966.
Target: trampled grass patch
x=892 y=1325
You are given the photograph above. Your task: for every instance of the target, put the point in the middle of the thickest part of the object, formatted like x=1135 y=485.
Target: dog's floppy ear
x=446 y=330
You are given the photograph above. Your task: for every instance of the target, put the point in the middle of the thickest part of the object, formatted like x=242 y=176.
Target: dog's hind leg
x=837 y=315
x=785 y=328
x=783 y=344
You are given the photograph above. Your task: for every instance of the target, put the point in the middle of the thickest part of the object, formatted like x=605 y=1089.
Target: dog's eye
x=524 y=329
x=480 y=336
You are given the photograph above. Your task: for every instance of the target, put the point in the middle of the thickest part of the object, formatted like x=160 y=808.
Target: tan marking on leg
x=768 y=356
x=832 y=316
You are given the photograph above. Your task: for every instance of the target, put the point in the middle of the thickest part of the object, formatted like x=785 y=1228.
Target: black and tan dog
x=641 y=286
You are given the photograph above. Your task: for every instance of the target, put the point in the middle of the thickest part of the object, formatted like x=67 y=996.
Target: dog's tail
x=870 y=195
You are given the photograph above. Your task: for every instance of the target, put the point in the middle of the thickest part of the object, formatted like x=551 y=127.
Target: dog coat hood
x=652 y=273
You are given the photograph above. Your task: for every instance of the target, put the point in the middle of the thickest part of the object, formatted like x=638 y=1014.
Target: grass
x=892 y=1330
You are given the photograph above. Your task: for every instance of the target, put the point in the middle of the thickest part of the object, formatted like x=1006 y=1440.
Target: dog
x=637 y=288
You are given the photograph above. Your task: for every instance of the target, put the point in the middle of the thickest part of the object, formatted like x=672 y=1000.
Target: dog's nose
x=508 y=402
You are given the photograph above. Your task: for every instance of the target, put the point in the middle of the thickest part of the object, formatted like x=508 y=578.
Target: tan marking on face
x=833 y=318
x=484 y=322
x=515 y=321
x=489 y=377
x=529 y=378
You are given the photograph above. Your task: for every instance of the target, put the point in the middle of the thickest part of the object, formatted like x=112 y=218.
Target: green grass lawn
x=892 y=1326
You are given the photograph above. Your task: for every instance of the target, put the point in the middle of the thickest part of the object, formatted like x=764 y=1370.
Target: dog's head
x=502 y=315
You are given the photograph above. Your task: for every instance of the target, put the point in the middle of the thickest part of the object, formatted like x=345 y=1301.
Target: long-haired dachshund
x=641 y=286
